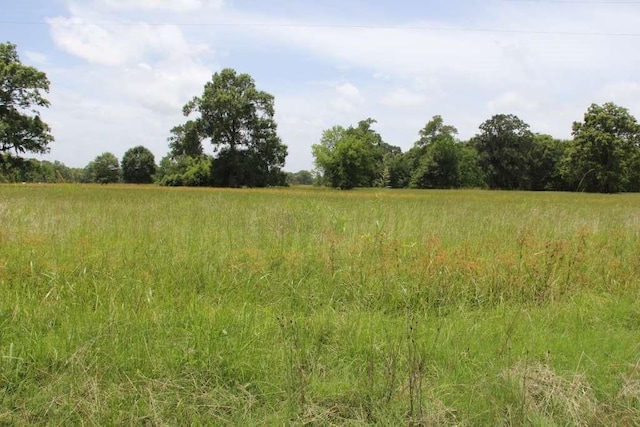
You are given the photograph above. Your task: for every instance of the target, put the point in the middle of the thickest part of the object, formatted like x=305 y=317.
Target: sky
x=121 y=70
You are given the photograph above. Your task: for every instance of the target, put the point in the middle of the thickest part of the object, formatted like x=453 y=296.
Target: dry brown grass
x=553 y=396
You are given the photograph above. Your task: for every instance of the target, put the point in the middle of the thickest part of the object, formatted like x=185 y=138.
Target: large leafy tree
x=185 y=140
x=21 y=94
x=604 y=150
x=440 y=156
x=504 y=147
x=351 y=157
x=104 y=169
x=138 y=165
x=238 y=119
x=546 y=163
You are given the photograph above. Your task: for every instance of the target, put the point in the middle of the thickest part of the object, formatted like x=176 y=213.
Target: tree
x=351 y=157
x=178 y=171
x=303 y=177
x=324 y=155
x=504 y=148
x=104 y=169
x=546 y=162
x=21 y=87
x=440 y=156
x=238 y=120
x=604 y=149
x=185 y=140
x=138 y=166
x=434 y=130
x=471 y=174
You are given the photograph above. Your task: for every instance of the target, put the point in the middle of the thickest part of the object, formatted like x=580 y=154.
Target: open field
x=145 y=305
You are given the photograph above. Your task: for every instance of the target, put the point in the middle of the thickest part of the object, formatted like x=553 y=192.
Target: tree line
x=238 y=121
x=603 y=156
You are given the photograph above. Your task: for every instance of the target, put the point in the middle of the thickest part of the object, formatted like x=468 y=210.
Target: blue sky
x=121 y=70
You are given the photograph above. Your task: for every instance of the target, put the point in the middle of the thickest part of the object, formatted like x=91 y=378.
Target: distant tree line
x=603 y=156
x=232 y=114
x=237 y=120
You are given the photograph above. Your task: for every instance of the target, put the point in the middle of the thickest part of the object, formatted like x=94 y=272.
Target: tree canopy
x=104 y=169
x=605 y=149
x=21 y=94
x=185 y=140
x=504 y=147
x=238 y=120
x=138 y=165
x=439 y=156
x=351 y=157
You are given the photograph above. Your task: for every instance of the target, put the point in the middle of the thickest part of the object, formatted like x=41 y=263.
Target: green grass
x=145 y=305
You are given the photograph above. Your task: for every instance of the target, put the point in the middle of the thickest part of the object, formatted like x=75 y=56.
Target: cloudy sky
x=121 y=70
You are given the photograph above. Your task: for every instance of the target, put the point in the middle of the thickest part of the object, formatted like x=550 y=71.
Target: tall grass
x=130 y=305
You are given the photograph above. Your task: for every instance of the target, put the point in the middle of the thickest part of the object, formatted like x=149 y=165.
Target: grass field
x=145 y=305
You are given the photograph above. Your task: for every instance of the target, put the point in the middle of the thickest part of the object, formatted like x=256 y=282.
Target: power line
x=334 y=26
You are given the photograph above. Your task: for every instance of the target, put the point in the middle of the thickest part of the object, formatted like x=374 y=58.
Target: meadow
x=129 y=305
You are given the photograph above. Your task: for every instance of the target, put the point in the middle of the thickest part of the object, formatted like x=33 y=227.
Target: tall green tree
x=185 y=140
x=605 y=149
x=440 y=156
x=21 y=94
x=505 y=145
x=324 y=155
x=351 y=157
x=238 y=119
x=138 y=165
x=435 y=130
x=104 y=169
x=546 y=163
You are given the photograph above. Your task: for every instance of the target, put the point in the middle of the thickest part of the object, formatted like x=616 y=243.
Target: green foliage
x=604 y=153
x=185 y=171
x=352 y=157
x=471 y=174
x=546 y=163
x=104 y=169
x=505 y=148
x=238 y=120
x=16 y=169
x=401 y=166
x=185 y=140
x=21 y=87
x=434 y=130
x=634 y=172
x=138 y=166
x=440 y=157
x=302 y=177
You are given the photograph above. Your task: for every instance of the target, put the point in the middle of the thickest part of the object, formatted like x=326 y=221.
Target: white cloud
x=117 y=45
x=134 y=76
x=347 y=90
x=129 y=88
x=164 y=88
x=511 y=102
x=404 y=98
x=347 y=99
